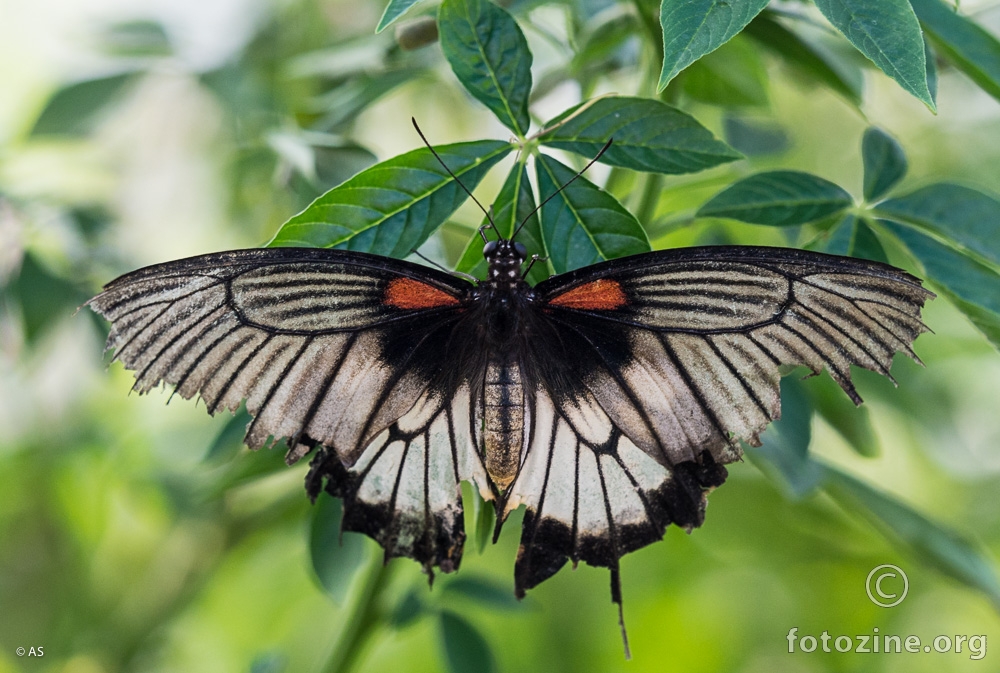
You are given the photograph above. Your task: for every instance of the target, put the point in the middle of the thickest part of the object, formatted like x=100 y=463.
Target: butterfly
x=606 y=400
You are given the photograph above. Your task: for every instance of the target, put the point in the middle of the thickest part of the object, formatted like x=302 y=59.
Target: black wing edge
x=681 y=501
x=547 y=544
x=260 y=256
x=436 y=545
x=749 y=254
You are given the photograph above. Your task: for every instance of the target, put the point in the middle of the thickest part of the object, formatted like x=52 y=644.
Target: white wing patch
x=404 y=489
x=591 y=494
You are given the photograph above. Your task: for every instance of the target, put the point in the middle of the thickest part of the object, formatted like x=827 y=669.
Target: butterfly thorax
x=503 y=295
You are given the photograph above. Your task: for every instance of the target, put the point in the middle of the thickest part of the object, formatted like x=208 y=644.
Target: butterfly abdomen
x=504 y=420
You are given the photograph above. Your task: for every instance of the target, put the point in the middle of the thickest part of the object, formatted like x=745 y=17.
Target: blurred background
x=137 y=536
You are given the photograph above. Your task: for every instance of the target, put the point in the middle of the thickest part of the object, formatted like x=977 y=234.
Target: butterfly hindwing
x=404 y=490
x=592 y=495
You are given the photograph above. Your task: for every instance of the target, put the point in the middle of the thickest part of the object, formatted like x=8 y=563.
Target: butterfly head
x=505 y=258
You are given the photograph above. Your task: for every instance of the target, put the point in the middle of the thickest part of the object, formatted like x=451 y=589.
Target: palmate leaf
x=885 y=163
x=392 y=207
x=648 y=136
x=778 y=198
x=853 y=237
x=806 y=58
x=516 y=190
x=336 y=555
x=394 y=10
x=583 y=224
x=966 y=216
x=785 y=443
x=490 y=57
x=888 y=33
x=852 y=423
x=466 y=651
x=785 y=450
x=933 y=543
x=972 y=286
x=76 y=108
x=734 y=75
x=693 y=28
x=965 y=44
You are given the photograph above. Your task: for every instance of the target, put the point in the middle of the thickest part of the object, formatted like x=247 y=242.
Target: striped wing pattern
x=592 y=495
x=404 y=490
x=295 y=333
x=640 y=378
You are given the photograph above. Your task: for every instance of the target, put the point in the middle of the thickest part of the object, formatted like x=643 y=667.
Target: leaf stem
x=362 y=618
x=649 y=198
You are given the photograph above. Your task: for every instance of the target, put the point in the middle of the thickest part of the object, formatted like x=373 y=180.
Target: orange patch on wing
x=600 y=295
x=412 y=294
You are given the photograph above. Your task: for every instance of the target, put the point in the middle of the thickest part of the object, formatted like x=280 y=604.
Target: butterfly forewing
x=296 y=333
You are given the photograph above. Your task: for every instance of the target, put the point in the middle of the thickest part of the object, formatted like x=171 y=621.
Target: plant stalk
x=363 y=619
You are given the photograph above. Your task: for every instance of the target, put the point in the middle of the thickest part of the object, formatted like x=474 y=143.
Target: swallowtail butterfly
x=606 y=400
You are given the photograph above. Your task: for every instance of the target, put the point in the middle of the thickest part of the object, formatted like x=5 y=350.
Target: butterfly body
x=606 y=400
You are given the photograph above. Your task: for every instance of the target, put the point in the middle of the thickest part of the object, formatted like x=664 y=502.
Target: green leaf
x=986 y=321
x=933 y=543
x=394 y=10
x=516 y=189
x=853 y=237
x=648 y=136
x=131 y=39
x=693 y=28
x=341 y=105
x=888 y=33
x=785 y=443
x=754 y=137
x=407 y=611
x=884 y=160
x=489 y=55
x=732 y=76
x=74 y=110
x=583 y=224
x=392 y=207
x=866 y=244
x=269 y=662
x=965 y=44
x=806 y=58
x=465 y=648
x=966 y=216
x=778 y=198
x=486 y=519
x=603 y=40
x=42 y=297
x=967 y=278
x=483 y=592
x=932 y=73
x=974 y=287
x=852 y=423
x=229 y=441
x=336 y=555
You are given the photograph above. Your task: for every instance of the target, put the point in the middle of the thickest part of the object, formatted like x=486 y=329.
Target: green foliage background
x=136 y=536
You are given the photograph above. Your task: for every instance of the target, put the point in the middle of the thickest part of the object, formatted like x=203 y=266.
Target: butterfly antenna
x=455 y=177
x=430 y=261
x=564 y=186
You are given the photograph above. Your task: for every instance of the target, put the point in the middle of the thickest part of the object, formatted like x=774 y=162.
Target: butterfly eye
x=521 y=251
x=489 y=248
